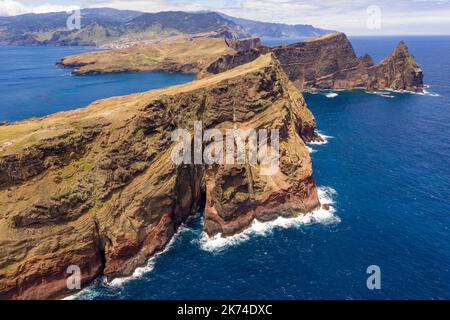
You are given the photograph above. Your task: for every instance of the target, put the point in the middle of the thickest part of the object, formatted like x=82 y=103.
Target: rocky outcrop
x=230 y=61
x=330 y=62
x=244 y=44
x=399 y=71
x=96 y=187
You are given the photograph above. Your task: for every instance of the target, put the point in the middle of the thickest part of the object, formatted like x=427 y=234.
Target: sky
x=356 y=17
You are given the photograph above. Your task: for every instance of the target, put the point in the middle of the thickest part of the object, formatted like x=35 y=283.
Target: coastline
x=255 y=225
x=218 y=244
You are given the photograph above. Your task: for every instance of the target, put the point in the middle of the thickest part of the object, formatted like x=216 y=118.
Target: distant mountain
x=105 y=25
x=185 y=22
x=277 y=30
x=118 y=28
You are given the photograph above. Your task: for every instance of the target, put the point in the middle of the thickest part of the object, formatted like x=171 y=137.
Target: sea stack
x=399 y=71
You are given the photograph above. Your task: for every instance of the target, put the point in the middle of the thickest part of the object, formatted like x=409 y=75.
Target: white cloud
x=12 y=8
x=397 y=17
x=53 y=8
x=151 y=6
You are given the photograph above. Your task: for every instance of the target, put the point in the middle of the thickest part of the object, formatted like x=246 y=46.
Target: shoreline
x=218 y=243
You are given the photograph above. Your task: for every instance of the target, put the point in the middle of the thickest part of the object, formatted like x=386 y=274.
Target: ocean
x=385 y=168
x=32 y=86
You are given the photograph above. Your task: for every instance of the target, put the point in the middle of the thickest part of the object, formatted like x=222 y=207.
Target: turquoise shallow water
x=386 y=167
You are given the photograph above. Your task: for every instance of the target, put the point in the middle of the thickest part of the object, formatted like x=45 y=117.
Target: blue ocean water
x=386 y=166
x=31 y=85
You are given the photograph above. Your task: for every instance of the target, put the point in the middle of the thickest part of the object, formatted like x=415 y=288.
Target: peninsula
x=96 y=187
x=326 y=62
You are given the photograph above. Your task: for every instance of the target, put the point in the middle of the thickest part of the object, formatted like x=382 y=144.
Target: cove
x=33 y=86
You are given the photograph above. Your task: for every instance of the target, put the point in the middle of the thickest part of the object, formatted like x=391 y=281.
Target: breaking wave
x=324 y=137
x=258 y=228
x=310 y=150
x=387 y=93
x=331 y=95
x=138 y=272
x=427 y=93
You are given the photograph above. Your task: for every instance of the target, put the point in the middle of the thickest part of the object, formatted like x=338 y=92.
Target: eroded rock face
x=244 y=44
x=230 y=61
x=97 y=188
x=330 y=62
x=399 y=71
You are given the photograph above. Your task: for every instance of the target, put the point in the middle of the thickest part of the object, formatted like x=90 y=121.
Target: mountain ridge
x=263 y=29
x=105 y=26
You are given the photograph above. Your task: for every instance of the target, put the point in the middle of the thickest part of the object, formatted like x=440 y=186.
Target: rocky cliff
x=330 y=62
x=399 y=71
x=326 y=62
x=96 y=187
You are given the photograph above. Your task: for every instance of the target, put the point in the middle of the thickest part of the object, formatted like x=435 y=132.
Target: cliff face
x=315 y=63
x=399 y=71
x=96 y=187
x=244 y=44
x=330 y=62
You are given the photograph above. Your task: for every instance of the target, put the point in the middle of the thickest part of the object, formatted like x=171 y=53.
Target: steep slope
x=103 y=26
x=97 y=188
x=98 y=26
x=330 y=62
x=399 y=71
x=189 y=23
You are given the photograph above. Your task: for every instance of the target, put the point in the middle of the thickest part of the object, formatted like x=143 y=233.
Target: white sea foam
x=384 y=94
x=331 y=95
x=310 y=150
x=258 y=228
x=217 y=243
x=324 y=137
x=138 y=272
x=427 y=93
x=424 y=93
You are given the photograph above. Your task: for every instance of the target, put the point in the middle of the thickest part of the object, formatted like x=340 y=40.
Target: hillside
x=102 y=26
x=123 y=28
